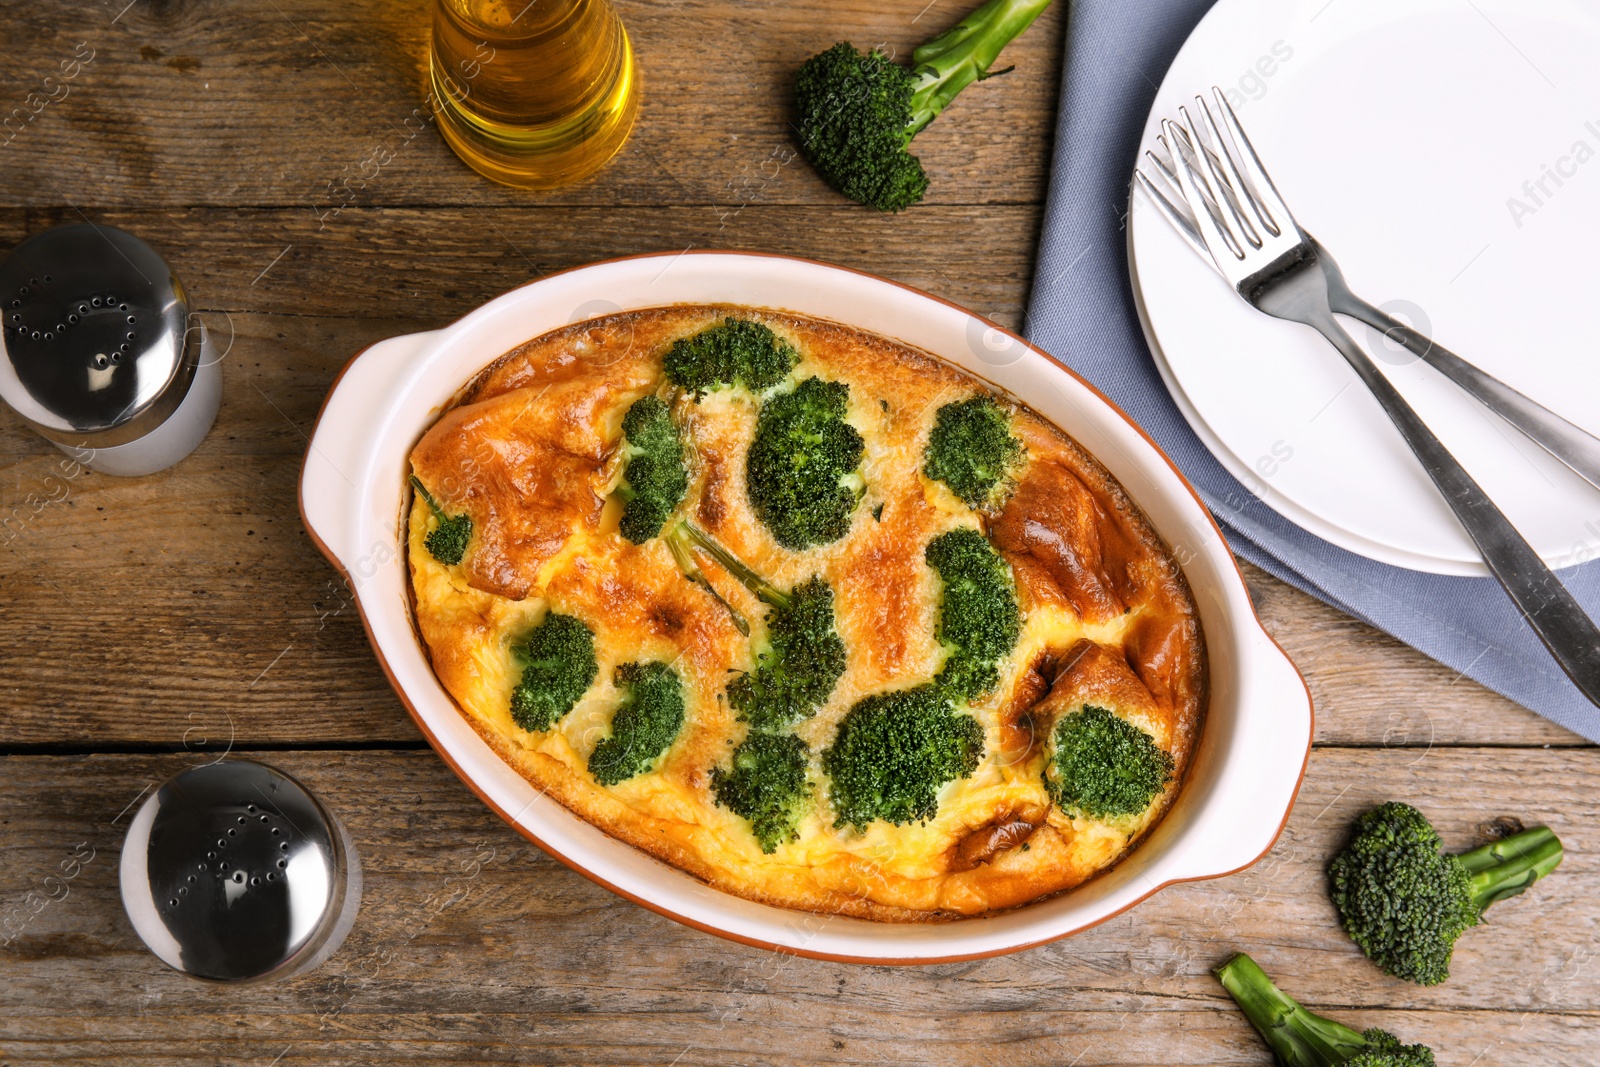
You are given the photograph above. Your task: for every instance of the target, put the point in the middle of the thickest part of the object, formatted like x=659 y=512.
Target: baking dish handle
x=1265 y=763
x=343 y=445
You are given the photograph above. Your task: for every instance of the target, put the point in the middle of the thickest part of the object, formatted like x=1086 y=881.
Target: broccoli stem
x=1505 y=868
x=428 y=498
x=962 y=55
x=1299 y=1038
x=763 y=589
x=679 y=543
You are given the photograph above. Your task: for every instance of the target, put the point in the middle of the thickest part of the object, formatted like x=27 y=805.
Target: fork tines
x=1193 y=163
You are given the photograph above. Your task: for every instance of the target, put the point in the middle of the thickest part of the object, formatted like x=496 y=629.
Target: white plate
x=1257 y=734
x=1401 y=134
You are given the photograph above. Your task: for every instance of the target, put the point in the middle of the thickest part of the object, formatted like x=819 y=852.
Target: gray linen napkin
x=1082 y=311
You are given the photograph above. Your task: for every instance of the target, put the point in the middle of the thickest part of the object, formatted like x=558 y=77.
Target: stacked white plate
x=1447 y=152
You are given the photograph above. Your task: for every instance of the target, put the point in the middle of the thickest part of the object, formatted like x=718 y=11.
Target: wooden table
x=149 y=624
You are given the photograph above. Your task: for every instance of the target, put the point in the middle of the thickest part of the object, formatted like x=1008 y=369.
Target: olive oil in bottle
x=532 y=93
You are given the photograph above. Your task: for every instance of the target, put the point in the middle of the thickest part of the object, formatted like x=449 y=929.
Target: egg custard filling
x=804 y=612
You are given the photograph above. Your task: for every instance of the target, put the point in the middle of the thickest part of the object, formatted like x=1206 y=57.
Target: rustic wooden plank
x=786 y=1032
x=306 y=105
x=188 y=610
x=193 y=597
x=433 y=265
x=473 y=946
x=190 y=603
x=1371 y=689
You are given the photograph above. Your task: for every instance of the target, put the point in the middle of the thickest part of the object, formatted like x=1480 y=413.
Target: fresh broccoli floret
x=971 y=450
x=854 y=115
x=733 y=352
x=1405 y=903
x=857 y=112
x=1300 y=1038
x=803 y=660
x=978 y=618
x=446 y=542
x=1385 y=1050
x=767 y=785
x=801 y=467
x=558 y=668
x=645 y=724
x=894 y=752
x=656 y=477
x=1104 y=766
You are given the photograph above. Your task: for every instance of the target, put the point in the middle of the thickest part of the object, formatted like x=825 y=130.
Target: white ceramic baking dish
x=1252 y=753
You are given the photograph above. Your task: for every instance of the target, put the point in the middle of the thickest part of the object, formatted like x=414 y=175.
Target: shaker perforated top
x=233 y=871
x=97 y=341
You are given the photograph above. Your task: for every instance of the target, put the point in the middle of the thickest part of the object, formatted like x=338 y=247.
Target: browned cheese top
x=533 y=451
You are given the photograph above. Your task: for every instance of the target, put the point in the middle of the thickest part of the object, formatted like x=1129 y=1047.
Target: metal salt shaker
x=234 y=872
x=100 y=353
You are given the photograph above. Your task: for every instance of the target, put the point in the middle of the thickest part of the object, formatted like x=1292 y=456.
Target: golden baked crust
x=530 y=452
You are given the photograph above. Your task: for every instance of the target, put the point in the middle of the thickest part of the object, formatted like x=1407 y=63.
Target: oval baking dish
x=1246 y=768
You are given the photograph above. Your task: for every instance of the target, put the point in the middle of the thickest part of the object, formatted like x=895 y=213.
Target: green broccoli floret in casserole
x=801 y=470
x=979 y=621
x=766 y=784
x=971 y=450
x=645 y=723
x=733 y=352
x=656 y=476
x=893 y=753
x=447 y=541
x=1103 y=766
x=558 y=668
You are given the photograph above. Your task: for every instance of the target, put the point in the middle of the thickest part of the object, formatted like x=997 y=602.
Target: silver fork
x=1252 y=238
x=1572 y=445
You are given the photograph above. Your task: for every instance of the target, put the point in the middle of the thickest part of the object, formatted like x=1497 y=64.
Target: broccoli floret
x=558 y=668
x=804 y=656
x=733 y=352
x=767 y=785
x=894 y=752
x=656 y=477
x=803 y=660
x=978 y=618
x=801 y=467
x=645 y=724
x=971 y=450
x=447 y=541
x=1104 y=766
x=1405 y=903
x=856 y=112
x=1300 y=1038
x=1385 y=1050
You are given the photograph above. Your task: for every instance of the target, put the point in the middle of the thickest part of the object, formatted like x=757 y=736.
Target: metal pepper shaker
x=234 y=872
x=100 y=353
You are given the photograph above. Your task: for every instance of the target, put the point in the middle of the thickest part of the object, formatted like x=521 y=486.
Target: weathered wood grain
x=306 y=105
x=732 y=1032
x=188 y=610
x=1370 y=689
x=433 y=265
x=473 y=946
